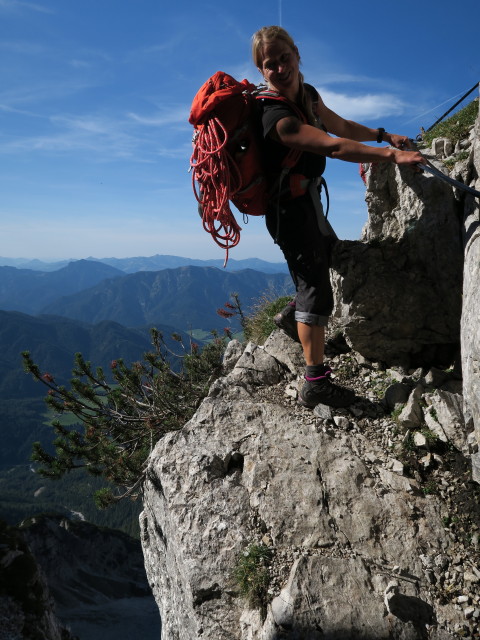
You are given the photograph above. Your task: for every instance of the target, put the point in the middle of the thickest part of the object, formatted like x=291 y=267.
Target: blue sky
x=95 y=96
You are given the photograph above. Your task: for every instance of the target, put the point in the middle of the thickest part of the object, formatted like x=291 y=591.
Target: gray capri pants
x=306 y=239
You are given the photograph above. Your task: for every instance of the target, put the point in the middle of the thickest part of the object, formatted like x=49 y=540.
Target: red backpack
x=226 y=162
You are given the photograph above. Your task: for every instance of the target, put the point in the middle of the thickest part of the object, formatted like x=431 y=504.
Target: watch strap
x=381 y=131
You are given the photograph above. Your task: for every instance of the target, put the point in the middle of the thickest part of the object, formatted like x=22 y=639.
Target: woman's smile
x=280 y=68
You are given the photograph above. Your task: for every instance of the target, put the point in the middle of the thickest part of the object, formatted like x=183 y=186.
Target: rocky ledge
x=368 y=516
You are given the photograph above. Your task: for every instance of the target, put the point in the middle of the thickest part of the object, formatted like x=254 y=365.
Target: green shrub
x=456 y=127
x=450 y=162
x=259 y=324
x=122 y=415
x=431 y=438
x=431 y=488
x=251 y=574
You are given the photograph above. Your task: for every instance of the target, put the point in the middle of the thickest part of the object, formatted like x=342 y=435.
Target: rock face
x=470 y=327
x=96 y=577
x=407 y=293
x=27 y=608
x=360 y=549
x=266 y=521
x=398 y=290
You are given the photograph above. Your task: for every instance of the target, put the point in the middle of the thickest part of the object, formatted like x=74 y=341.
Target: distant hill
x=159 y=262
x=24 y=493
x=29 y=291
x=86 y=306
x=24 y=417
x=52 y=342
x=152 y=263
x=34 y=264
x=94 y=322
x=186 y=298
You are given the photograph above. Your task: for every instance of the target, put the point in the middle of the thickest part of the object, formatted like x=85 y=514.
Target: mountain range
x=151 y=263
x=53 y=342
x=105 y=313
x=184 y=297
x=29 y=291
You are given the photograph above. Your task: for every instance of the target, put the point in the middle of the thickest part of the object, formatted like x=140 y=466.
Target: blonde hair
x=267 y=35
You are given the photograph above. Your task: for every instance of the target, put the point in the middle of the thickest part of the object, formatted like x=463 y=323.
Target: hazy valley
x=105 y=312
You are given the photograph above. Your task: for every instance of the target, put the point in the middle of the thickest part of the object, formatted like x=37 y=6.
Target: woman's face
x=280 y=67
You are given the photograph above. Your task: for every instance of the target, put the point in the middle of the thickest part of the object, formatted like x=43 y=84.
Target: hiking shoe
x=285 y=320
x=323 y=391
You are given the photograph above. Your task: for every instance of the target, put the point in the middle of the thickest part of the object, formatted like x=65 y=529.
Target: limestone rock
x=442 y=147
x=445 y=417
x=389 y=297
x=338 y=520
x=323 y=412
x=411 y=415
x=419 y=439
x=470 y=325
x=396 y=394
x=285 y=351
x=476 y=467
x=364 y=545
x=257 y=366
x=435 y=378
x=232 y=353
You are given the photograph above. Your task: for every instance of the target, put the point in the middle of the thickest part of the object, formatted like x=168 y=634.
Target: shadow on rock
x=408 y=631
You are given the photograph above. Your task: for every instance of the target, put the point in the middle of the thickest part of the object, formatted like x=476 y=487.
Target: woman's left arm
x=355 y=131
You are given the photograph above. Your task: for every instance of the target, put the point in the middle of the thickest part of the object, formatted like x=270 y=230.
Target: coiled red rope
x=215 y=178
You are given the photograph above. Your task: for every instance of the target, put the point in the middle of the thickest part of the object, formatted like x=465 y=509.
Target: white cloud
x=182 y=152
x=83 y=133
x=80 y=64
x=363 y=107
x=8 y=109
x=22 y=47
x=170 y=44
x=12 y=5
x=175 y=115
x=346 y=78
x=246 y=70
x=87 y=124
x=105 y=138
x=34 y=93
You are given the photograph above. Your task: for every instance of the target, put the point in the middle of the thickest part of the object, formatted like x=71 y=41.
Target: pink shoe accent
x=325 y=375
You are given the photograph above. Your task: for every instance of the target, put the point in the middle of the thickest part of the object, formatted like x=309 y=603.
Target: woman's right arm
x=297 y=135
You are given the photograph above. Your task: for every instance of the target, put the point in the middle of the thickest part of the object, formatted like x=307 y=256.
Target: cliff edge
x=359 y=523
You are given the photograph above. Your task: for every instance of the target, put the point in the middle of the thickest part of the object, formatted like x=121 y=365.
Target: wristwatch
x=381 y=131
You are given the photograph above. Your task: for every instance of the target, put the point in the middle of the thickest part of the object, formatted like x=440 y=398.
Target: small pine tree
x=122 y=416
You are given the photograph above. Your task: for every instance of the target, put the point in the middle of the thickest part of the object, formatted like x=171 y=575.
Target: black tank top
x=310 y=165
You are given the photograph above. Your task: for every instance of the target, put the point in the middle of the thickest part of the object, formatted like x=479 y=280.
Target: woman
x=297 y=224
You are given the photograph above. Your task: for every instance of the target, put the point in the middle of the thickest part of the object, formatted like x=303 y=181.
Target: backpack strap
x=293 y=155
x=297 y=184
x=268 y=94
